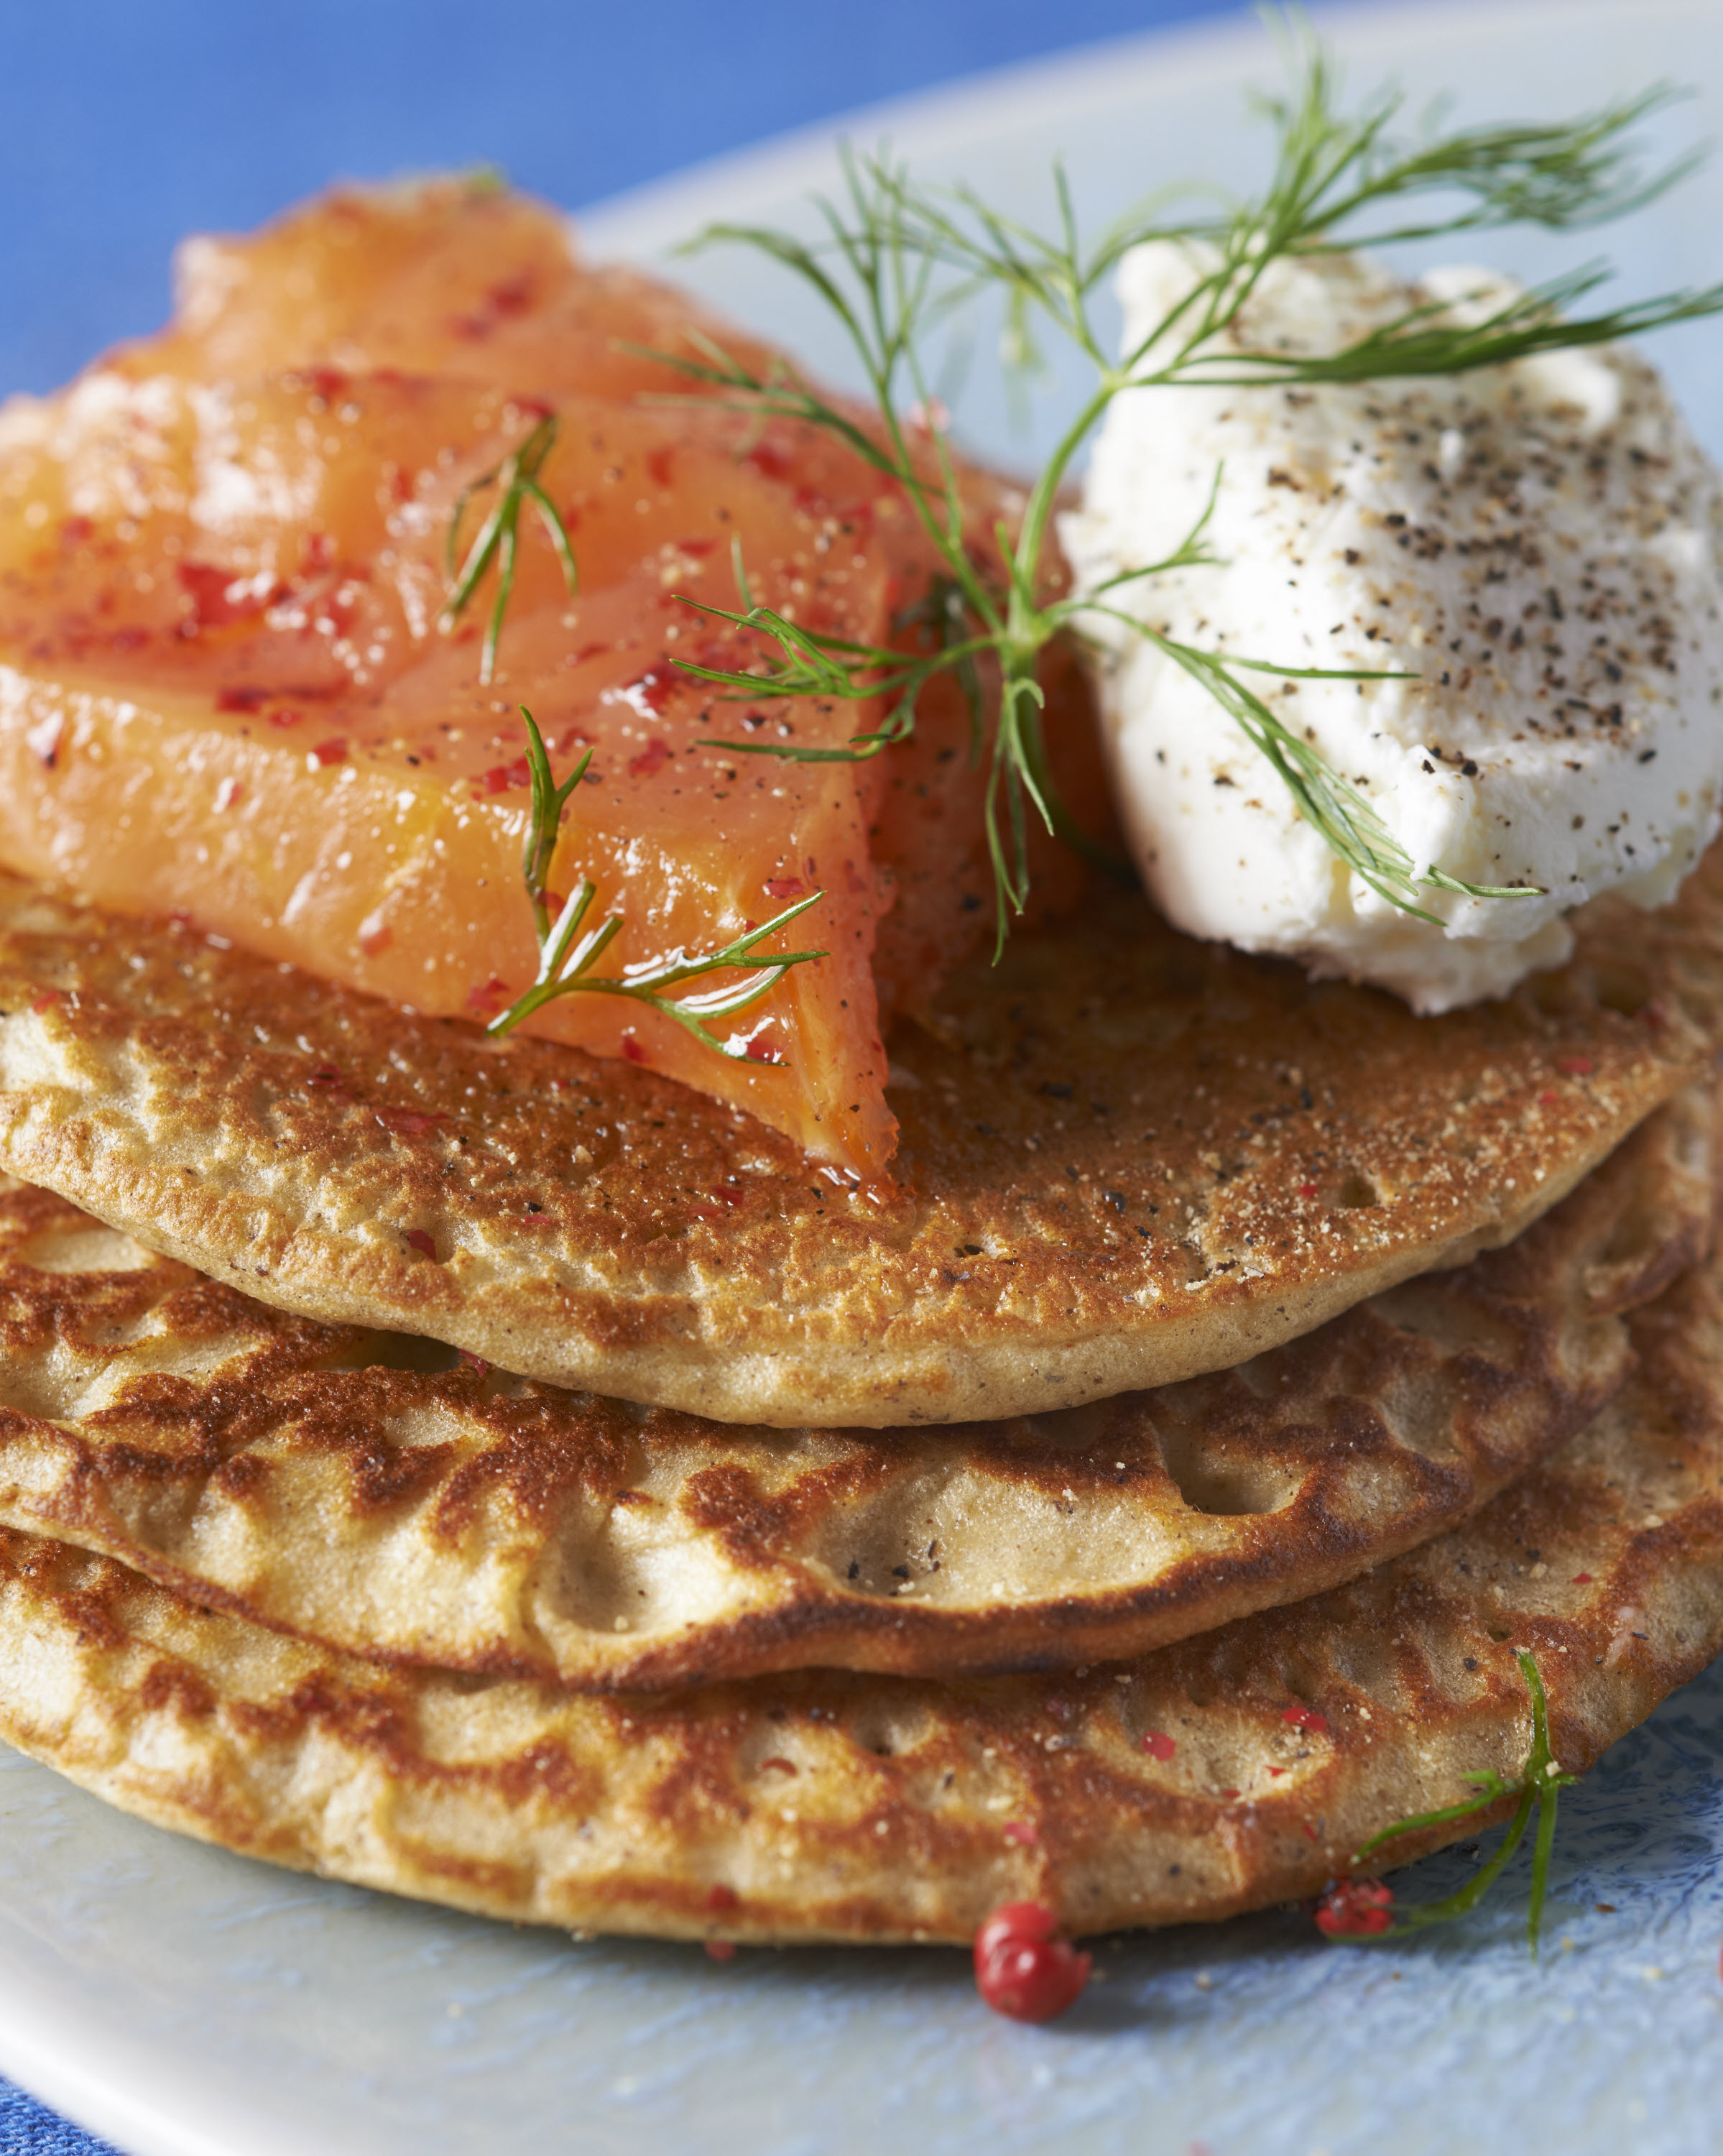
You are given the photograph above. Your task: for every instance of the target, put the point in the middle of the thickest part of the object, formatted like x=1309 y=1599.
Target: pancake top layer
x=493 y=1524
x=1240 y=1769
x=1127 y=1159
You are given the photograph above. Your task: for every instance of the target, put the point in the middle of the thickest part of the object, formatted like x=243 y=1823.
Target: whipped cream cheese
x=1539 y=543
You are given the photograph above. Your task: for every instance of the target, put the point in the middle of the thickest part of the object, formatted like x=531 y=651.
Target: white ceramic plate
x=188 y=2003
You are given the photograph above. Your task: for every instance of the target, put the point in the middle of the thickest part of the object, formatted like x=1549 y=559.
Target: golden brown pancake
x=1241 y=1768
x=283 y=1469
x=1127 y=1159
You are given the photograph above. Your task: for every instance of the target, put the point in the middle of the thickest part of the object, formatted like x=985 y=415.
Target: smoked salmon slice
x=226 y=689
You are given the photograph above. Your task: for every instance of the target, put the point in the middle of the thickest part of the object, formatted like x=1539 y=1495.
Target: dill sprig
x=896 y=258
x=568 y=949
x=1538 y=1789
x=497 y=540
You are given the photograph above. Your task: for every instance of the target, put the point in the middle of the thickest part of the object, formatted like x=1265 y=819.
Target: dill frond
x=516 y=478
x=895 y=259
x=1538 y=1789
x=568 y=949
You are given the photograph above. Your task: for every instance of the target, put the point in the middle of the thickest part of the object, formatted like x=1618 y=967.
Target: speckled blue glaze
x=210 y=1990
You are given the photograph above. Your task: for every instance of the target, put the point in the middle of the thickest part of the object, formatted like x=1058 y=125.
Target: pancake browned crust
x=476 y=1522
x=845 y=1807
x=1127 y=1158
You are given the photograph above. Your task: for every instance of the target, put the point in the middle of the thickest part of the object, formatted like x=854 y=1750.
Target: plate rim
x=642 y=223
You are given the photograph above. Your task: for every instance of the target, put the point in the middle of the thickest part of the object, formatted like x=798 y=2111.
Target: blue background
x=125 y=124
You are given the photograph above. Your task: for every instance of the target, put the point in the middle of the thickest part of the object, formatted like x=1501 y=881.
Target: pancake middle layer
x=314 y=1479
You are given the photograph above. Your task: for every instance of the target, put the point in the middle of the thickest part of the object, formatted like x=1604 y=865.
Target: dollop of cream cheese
x=1538 y=543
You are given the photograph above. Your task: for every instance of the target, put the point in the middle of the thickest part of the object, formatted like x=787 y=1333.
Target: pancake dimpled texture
x=838 y=1806
x=330 y=1484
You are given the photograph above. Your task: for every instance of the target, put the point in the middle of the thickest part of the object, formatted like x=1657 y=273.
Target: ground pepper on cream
x=1537 y=543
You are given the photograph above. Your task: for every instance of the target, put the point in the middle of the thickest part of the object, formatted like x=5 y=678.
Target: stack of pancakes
x=500 y=1476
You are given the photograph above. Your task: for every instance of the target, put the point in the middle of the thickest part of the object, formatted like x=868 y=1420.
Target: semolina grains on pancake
x=300 y=1476
x=1238 y=1769
x=1127 y=1159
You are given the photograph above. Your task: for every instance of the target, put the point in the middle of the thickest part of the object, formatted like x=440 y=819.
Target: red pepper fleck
x=324 y=754
x=1158 y=1744
x=502 y=777
x=1356 y=1909
x=469 y=1361
x=511 y=297
x=1275 y=1772
x=241 y=700
x=218 y=597
x=1022 y=1967
x=286 y=716
x=409 y=1122
x=659 y=463
x=651 y=760
x=47 y=1000
x=717 y=1202
x=326 y=382
x=780 y=1766
x=632 y=1050
x=1547 y=1100
x=1575 y=1066
x=784 y=887
x=721 y=1950
x=769 y=458
x=763 y=1049
x=722 y=1897
x=1023 y=1833
x=416 y=1239
x=326 y=1079
x=488 y=998
x=1307 y=1190
x=1582 y=1579
x=1229 y=1795
x=1306 y=1717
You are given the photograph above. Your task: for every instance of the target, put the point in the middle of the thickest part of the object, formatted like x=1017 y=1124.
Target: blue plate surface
x=188 y=2003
